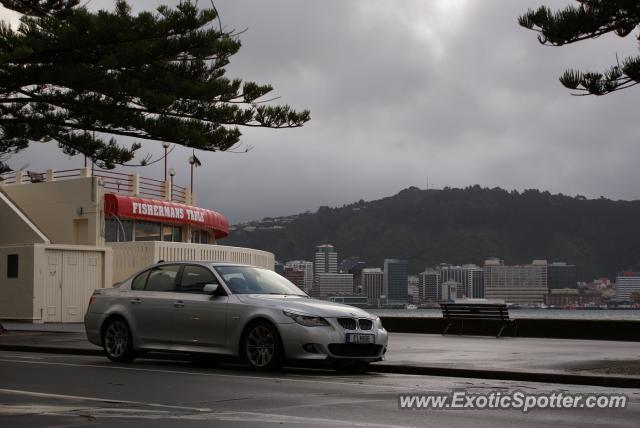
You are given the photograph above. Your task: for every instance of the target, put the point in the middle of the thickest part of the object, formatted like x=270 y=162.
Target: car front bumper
x=320 y=343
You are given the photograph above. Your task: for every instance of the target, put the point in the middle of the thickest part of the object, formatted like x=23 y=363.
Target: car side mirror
x=210 y=288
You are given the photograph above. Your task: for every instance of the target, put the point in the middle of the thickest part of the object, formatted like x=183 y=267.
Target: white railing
x=112 y=181
x=129 y=257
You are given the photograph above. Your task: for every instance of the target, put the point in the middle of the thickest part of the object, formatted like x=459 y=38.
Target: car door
x=151 y=305
x=200 y=319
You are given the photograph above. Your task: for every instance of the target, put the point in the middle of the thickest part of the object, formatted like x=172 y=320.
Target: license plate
x=359 y=338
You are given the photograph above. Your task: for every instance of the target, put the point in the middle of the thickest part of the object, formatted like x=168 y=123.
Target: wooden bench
x=462 y=312
x=36 y=177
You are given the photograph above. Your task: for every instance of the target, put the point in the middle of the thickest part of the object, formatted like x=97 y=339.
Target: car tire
x=117 y=341
x=351 y=366
x=261 y=347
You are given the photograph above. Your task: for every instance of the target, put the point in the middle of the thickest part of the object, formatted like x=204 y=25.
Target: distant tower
x=429 y=285
x=396 y=280
x=372 y=284
x=325 y=260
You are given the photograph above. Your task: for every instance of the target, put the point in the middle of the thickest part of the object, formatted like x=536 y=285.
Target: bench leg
x=444 y=333
x=501 y=330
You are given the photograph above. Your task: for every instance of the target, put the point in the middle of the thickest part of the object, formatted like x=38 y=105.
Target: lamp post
x=194 y=162
x=165 y=145
x=172 y=173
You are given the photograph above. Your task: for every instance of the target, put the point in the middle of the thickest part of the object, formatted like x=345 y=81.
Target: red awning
x=165 y=212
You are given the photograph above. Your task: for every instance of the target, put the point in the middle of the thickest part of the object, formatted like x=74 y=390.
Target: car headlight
x=306 y=320
x=378 y=322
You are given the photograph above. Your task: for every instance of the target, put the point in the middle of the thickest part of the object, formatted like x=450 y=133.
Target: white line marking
x=102 y=400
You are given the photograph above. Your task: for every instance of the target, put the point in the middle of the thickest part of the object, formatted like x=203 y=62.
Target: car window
x=194 y=278
x=140 y=281
x=251 y=280
x=163 y=278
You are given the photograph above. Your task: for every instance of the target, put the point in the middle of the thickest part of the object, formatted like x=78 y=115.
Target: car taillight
x=92 y=300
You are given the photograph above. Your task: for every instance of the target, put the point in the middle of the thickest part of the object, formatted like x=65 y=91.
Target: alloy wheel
x=261 y=346
x=117 y=341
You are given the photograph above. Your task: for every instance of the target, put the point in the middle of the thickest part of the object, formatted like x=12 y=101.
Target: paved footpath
x=590 y=362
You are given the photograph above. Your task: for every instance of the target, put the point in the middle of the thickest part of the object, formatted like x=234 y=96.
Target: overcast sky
x=407 y=93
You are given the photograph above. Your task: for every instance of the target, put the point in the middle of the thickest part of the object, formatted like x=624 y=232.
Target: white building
x=333 y=284
x=626 y=284
x=473 y=281
x=64 y=234
x=307 y=268
x=516 y=284
x=413 y=291
x=449 y=291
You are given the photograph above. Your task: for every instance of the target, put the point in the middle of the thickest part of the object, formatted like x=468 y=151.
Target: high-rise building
x=516 y=284
x=473 y=281
x=325 y=260
x=307 y=268
x=627 y=284
x=449 y=290
x=295 y=275
x=413 y=292
x=372 y=284
x=354 y=266
x=453 y=273
x=561 y=275
x=333 y=284
x=429 y=285
x=395 y=280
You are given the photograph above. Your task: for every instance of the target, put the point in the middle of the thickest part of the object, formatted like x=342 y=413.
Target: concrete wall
x=523 y=327
x=25 y=297
x=16 y=294
x=15 y=227
x=67 y=212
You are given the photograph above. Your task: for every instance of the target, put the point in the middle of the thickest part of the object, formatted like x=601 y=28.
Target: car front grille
x=354 y=350
x=365 y=324
x=347 y=323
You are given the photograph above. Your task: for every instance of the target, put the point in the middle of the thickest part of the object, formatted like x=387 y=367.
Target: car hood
x=304 y=305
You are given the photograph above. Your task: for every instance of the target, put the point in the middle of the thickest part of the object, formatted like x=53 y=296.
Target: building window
x=12 y=266
x=118 y=230
x=171 y=233
x=199 y=237
x=147 y=231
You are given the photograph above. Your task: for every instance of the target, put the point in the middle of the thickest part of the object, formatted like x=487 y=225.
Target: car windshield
x=251 y=280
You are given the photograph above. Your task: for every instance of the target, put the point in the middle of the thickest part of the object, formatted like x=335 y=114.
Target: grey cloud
x=401 y=92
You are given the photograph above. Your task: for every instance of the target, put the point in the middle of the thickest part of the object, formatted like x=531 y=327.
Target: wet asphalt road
x=65 y=390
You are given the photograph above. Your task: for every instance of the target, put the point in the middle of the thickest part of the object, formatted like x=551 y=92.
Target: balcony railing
x=112 y=181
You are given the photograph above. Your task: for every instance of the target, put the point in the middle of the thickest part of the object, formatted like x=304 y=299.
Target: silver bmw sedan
x=232 y=310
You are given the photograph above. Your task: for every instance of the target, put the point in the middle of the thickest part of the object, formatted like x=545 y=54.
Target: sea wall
x=628 y=330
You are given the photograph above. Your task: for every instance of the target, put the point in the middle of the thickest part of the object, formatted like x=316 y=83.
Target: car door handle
x=179 y=304
x=136 y=301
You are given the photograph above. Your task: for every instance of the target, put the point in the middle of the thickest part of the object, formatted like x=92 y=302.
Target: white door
x=53 y=287
x=73 y=280
x=72 y=277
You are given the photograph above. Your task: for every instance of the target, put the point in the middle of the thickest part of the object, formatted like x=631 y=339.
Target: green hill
x=458 y=226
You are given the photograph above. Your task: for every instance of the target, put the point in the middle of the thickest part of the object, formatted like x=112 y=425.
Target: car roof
x=200 y=262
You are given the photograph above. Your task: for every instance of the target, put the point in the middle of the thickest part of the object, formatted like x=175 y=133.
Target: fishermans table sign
x=160 y=211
